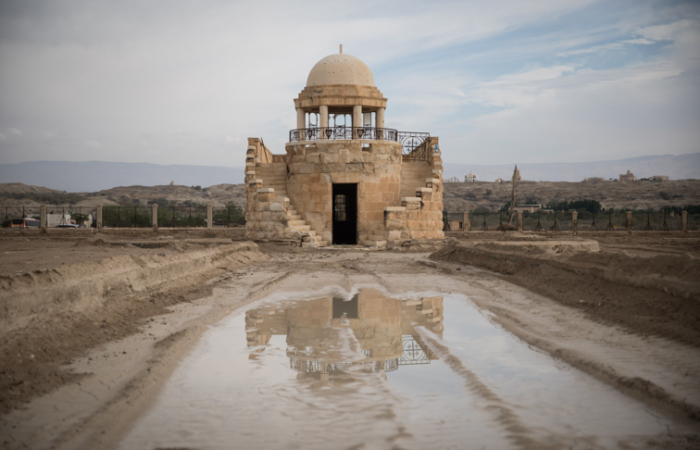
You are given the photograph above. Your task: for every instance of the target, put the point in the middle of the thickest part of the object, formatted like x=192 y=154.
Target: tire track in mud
x=620 y=359
x=516 y=432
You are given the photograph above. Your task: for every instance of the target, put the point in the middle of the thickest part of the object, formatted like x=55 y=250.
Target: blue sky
x=499 y=82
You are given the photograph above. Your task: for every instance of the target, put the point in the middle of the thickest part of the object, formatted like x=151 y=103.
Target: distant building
x=593 y=179
x=629 y=176
x=470 y=178
x=452 y=180
x=659 y=178
x=499 y=180
x=528 y=208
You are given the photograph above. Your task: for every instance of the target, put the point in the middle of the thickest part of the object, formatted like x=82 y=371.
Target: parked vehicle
x=66 y=225
x=25 y=223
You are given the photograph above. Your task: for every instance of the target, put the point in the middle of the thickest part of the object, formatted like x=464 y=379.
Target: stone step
x=322 y=243
x=377 y=237
x=302 y=227
x=293 y=223
x=294 y=216
x=370 y=243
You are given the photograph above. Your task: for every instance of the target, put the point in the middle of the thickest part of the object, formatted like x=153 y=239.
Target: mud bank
x=93 y=380
x=651 y=295
x=101 y=291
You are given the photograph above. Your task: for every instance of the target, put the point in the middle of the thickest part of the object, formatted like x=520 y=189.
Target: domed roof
x=340 y=69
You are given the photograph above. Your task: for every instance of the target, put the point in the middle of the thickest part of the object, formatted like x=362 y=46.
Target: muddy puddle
x=369 y=370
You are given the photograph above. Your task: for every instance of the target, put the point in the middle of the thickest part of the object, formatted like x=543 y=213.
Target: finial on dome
x=341 y=48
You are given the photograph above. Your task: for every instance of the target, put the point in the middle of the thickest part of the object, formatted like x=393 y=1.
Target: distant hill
x=676 y=167
x=92 y=176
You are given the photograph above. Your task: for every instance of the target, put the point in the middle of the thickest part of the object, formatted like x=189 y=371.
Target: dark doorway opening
x=345 y=214
x=347 y=307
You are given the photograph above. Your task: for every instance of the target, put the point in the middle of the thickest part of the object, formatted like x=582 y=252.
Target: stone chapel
x=344 y=179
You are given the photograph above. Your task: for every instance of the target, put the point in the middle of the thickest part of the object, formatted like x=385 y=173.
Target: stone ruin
x=345 y=179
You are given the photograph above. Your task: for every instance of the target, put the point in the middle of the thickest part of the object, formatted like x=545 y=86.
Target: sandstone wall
x=413 y=176
x=315 y=168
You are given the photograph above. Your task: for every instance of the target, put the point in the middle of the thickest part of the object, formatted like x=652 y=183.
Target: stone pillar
x=684 y=221
x=465 y=221
x=210 y=217
x=629 y=221
x=380 y=118
x=154 y=217
x=520 y=221
x=98 y=219
x=356 y=117
x=323 y=110
x=574 y=222
x=42 y=218
x=301 y=118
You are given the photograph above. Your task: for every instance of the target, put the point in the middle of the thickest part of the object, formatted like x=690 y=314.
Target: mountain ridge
x=91 y=176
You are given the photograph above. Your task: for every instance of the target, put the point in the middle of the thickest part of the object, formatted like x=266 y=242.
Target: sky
x=500 y=82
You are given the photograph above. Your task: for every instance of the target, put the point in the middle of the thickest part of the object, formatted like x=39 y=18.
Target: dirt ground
x=109 y=317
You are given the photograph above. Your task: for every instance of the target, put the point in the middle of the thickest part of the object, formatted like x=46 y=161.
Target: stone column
x=574 y=222
x=629 y=221
x=465 y=221
x=301 y=124
x=210 y=216
x=154 y=217
x=380 y=118
x=301 y=118
x=98 y=219
x=356 y=118
x=323 y=110
x=684 y=221
x=42 y=218
x=520 y=221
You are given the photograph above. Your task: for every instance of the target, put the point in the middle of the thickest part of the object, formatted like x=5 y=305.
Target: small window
x=340 y=208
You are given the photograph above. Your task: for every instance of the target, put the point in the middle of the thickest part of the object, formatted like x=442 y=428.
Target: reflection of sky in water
x=222 y=397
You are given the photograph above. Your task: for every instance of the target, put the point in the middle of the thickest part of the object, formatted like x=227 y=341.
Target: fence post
x=210 y=216
x=574 y=222
x=465 y=221
x=684 y=221
x=520 y=221
x=629 y=221
x=42 y=217
x=154 y=216
x=98 y=219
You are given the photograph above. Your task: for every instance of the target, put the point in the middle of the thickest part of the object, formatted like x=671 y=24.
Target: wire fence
x=132 y=216
x=561 y=221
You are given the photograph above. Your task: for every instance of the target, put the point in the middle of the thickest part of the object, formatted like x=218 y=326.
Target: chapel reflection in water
x=383 y=335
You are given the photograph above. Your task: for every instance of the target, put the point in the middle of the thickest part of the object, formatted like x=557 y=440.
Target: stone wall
x=419 y=216
x=313 y=169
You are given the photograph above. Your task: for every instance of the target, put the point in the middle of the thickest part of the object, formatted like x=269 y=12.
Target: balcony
x=409 y=140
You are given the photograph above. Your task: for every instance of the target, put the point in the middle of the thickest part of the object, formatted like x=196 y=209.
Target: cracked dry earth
x=355 y=349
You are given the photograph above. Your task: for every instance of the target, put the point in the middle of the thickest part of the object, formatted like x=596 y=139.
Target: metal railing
x=410 y=140
x=343 y=133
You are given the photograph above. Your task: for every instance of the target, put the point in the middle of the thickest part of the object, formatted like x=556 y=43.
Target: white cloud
x=15 y=132
x=2 y=137
x=95 y=145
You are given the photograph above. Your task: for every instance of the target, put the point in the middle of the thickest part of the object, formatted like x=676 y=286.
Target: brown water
x=367 y=370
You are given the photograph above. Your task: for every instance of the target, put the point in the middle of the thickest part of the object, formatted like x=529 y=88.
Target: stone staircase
x=274 y=175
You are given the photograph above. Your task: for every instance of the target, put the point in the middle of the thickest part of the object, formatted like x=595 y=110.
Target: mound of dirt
x=656 y=293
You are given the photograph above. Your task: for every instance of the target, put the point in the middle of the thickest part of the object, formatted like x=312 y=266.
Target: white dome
x=340 y=69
